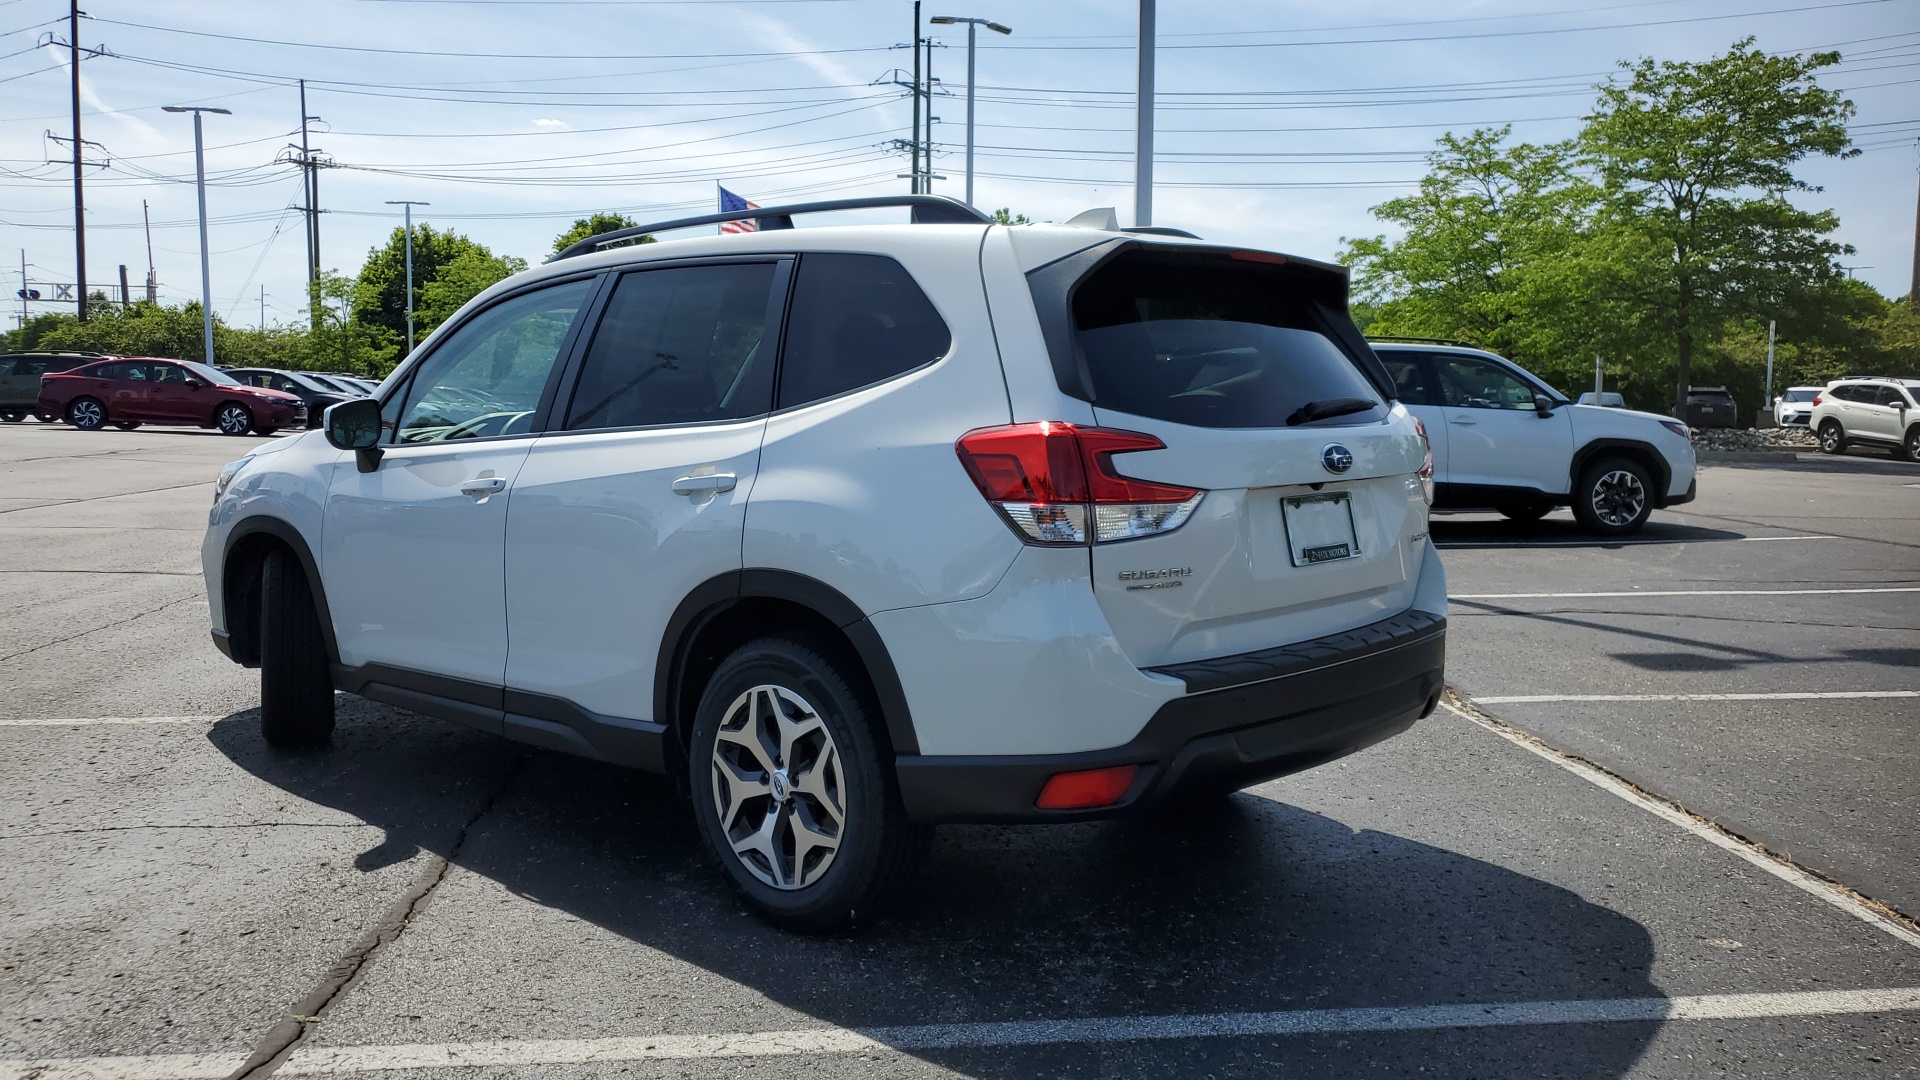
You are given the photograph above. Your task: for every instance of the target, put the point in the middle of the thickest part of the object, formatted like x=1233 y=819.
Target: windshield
x=1802 y=395
x=212 y=375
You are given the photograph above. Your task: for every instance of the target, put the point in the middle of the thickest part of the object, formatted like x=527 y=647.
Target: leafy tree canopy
x=380 y=294
x=597 y=225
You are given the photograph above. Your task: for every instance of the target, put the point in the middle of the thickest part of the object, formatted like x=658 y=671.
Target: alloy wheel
x=778 y=788
x=1618 y=497
x=1830 y=438
x=233 y=420
x=86 y=414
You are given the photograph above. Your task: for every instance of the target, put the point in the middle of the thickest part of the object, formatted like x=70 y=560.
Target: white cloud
x=549 y=122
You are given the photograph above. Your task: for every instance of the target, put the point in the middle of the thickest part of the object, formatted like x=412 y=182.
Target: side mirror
x=1543 y=405
x=194 y=384
x=355 y=425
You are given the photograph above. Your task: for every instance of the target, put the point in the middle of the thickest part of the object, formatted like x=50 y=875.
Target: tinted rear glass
x=1211 y=341
x=857 y=320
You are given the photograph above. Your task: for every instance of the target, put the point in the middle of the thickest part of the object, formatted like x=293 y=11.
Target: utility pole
x=1913 y=288
x=263 y=308
x=926 y=146
x=915 y=189
x=23 y=286
x=409 y=204
x=312 y=207
x=1599 y=379
x=1769 y=366
x=1143 y=122
x=153 y=279
x=200 y=181
x=79 y=188
x=125 y=296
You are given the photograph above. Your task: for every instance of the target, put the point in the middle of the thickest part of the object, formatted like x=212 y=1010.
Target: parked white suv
x=1504 y=440
x=857 y=529
x=1872 y=412
x=1795 y=407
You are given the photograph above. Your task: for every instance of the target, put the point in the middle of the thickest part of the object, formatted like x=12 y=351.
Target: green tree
x=1694 y=160
x=339 y=340
x=1006 y=216
x=462 y=279
x=380 y=293
x=1485 y=256
x=597 y=225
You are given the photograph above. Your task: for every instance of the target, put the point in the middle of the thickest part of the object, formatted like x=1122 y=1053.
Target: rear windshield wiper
x=1328 y=408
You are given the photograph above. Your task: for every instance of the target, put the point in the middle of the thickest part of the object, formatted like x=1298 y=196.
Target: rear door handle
x=1466 y=420
x=698 y=485
x=484 y=485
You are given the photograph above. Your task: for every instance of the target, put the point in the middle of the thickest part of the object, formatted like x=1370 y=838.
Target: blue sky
x=1280 y=124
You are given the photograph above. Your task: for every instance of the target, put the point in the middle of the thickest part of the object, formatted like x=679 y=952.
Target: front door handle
x=700 y=485
x=484 y=485
x=1465 y=420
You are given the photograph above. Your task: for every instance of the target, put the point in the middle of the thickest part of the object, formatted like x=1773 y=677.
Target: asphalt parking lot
x=421 y=900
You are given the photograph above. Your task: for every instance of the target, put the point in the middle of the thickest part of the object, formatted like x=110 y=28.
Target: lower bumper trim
x=1216 y=741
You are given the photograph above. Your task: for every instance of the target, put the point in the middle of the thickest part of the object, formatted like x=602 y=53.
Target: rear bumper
x=1244 y=719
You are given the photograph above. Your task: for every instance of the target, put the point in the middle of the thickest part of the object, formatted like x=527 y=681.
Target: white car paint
x=561 y=582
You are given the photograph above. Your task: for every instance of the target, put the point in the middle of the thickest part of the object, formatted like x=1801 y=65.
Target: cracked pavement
x=173 y=887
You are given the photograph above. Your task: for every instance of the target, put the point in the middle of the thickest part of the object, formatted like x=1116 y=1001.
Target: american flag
x=729 y=203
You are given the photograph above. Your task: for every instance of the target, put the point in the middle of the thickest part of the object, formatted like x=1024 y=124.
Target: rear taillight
x=1426 y=466
x=1054 y=482
x=1817 y=397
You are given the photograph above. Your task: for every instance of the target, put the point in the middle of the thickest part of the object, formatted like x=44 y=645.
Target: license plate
x=1320 y=527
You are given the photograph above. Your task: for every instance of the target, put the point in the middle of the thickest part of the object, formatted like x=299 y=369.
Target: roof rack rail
x=1423 y=341
x=927 y=210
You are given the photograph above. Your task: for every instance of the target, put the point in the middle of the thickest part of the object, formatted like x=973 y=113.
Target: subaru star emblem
x=1336 y=458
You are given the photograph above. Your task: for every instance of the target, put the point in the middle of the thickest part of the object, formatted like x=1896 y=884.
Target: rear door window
x=1211 y=340
x=680 y=345
x=1412 y=377
x=857 y=320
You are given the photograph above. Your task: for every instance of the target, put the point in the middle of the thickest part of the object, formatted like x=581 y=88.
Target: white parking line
x=348 y=1060
x=1819 y=888
x=72 y=721
x=1614 y=543
x=1678 y=592
x=1531 y=699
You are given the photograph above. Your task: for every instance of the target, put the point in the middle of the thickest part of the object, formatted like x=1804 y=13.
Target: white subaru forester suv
x=858 y=529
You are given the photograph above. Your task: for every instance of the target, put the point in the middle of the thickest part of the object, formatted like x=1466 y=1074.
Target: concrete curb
x=1758 y=456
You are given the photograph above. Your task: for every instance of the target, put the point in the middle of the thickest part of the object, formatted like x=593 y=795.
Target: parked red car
x=129 y=392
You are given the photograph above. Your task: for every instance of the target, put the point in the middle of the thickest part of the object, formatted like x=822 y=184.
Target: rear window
x=1212 y=341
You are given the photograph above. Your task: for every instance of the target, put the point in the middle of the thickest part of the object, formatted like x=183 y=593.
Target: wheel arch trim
x=715 y=596
x=242 y=625
x=1646 y=453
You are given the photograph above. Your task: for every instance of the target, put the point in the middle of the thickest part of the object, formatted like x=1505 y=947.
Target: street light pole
x=1143 y=122
x=200 y=181
x=409 y=204
x=972 y=25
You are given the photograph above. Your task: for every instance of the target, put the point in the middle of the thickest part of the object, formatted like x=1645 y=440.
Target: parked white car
x=1504 y=440
x=857 y=529
x=1878 y=412
x=1795 y=407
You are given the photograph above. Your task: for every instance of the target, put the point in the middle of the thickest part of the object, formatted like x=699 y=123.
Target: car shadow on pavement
x=1558 y=530
x=1248 y=905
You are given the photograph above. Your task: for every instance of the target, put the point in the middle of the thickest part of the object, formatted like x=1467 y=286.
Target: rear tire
x=793 y=788
x=296 y=688
x=1615 y=497
x=233 y=418
x=46 y=417
x=1910 y=447
x=1526 y=511
x=86 y=413
x=1833 y=438
x=13 y=417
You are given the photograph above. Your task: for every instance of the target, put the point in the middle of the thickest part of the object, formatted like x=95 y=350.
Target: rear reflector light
x=1055 y=483
x=1426 y=467
x=1088 y=789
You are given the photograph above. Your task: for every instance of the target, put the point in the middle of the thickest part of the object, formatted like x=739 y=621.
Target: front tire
x=1910 y=447
x=793 y=788
x=13 y=417
x=1833 y=438
x=1615 y=497
x=233 y=418
x=296 y=689
x=86 y=413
